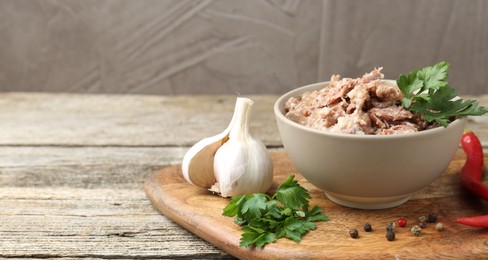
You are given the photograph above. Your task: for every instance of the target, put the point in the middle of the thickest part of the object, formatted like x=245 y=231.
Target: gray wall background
x=172 y=47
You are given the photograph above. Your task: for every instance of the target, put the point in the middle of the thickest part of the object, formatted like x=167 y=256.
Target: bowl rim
x=279 y=103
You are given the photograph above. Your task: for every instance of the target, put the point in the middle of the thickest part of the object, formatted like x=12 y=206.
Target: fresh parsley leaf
x=293 y=195
x=295 y=228
x=259 y=237
x=267 y=223
x=315 y=214
x=286 y=212
x=300 y=214
x=240 y=221
x=254 y=206
x=428 y=93
x=273 y=209
x=232 y=209
x=410 y=84
x=434 y=77
x=265 y=219
x=265 y=239
x=443 y=109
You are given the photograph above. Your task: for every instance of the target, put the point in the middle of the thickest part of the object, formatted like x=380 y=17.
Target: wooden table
x=72 y=169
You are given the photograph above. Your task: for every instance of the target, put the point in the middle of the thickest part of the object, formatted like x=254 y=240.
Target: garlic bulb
x=232 y=162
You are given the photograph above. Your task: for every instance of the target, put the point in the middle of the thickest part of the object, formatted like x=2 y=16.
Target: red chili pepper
x=477 y=221
x=475 y=186
x=471 y=175
x=472 y=170
x=474 y=152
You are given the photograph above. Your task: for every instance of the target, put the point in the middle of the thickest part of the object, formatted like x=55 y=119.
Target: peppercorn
x=367 y=227
x=390 y=235
x=416 y=230
x=422 y=224
x=423 y=218
x=354 y=233
x=402 y=222
x=431 y=218
x=439 y=226
x=390 y=227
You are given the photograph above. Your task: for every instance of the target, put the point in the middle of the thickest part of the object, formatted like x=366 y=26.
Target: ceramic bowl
x=367 y=171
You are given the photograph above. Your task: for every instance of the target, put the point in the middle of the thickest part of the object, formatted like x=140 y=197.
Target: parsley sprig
x=428 y=93
x=264 y=218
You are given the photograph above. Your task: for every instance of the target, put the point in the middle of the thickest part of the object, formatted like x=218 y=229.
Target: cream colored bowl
x=367 y=171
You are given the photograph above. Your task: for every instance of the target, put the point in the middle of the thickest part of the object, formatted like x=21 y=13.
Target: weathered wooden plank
x=79 y=167
x=124 y=120
x=84 y=167
x=103 y=223
x=130 y=120
x=88 y=202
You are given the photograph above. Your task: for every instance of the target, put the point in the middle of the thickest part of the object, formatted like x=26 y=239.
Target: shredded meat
x=391 y=114
x=366 y=105
x=398 y=129
x=388 y=92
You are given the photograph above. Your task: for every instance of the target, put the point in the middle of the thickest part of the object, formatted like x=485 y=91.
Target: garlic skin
x=232 y=162
x=197 y=165
x=242 y=165
x=200 y=159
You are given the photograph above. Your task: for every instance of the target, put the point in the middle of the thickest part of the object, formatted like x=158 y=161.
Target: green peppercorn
x=390 y=227
x=432 y=218
x=367 y=227
x=390 y=235
x=439 y=226
x=416 y=230
x=422 y=224
x=354 y=233
x=423 y=218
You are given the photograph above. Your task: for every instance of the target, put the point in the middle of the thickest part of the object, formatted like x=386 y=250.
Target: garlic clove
x=197 y=165
x=242 y=168
x=242 y=165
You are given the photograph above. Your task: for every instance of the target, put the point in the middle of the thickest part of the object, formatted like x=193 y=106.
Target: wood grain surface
x=200 y=212
x=73 y=166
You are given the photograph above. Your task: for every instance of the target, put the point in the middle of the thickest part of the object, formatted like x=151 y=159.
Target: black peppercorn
x=390 y=227
x=422 y=224
x=367 y=227
x=354 y=233
x=431 y=218
x=390 y=235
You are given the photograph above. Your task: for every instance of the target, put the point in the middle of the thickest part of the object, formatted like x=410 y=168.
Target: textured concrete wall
x=227 y=46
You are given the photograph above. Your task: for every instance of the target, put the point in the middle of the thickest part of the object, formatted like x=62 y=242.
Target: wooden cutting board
x=200 y=212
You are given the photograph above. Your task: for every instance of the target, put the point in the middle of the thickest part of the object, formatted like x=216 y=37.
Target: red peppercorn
x=402 y=222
